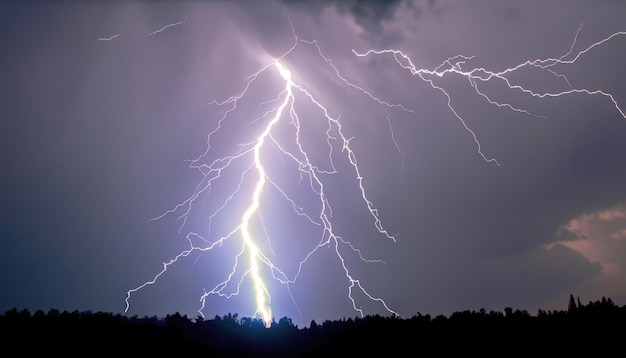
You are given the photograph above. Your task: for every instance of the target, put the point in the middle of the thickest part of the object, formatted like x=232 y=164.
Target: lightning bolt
x=258 y=259
x=167 y=26
x=454 y=66
x=108 y=38
x=262 y=296
x=252 y=156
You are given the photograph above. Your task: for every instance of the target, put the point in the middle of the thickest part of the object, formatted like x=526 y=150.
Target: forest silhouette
x=596 y=329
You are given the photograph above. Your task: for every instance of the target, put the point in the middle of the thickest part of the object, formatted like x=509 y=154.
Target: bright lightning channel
x=262 y=296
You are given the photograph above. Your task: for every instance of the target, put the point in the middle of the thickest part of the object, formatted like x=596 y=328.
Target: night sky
x=501 y=191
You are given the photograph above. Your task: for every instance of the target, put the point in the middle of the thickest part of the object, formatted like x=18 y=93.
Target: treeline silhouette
x=597 y=329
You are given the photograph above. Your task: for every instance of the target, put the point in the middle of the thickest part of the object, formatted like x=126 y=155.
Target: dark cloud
x=511 y=13
x=369 y=14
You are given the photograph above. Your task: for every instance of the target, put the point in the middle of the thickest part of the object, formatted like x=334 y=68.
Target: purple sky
x=103 y=104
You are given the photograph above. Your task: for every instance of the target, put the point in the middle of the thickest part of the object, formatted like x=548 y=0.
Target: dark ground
x=597 y=329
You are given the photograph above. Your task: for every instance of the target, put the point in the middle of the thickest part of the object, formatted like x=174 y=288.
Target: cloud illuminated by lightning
x=255 y=167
